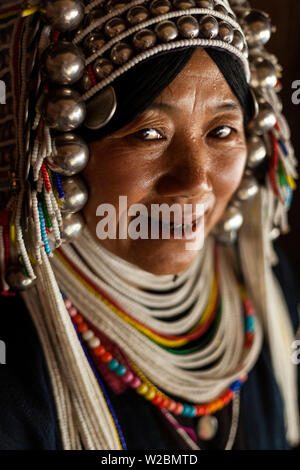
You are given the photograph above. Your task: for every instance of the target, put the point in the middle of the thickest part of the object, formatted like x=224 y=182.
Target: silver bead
x=221 y=9
x=70 y=154
x=17 y=280
x=209 y=27
x=114 y=4
x=225 y=32
x=183 y=4
x=64 y=15
x=100 y=108
x=160 y=7
x=63 y=63
x=121 y=53
x=102 y=68
x=64 y=109
x=263 y=74
x=231 y=220
x=137 y=14
x=188 y=27
x=93 y=42
x=76 y=194
x=144 y=39
x=166 y=31
x=257 y=151
x=114 y=27
x=208 y=4
x=72 y=226
x=258 y=28
x=238 y=40
x=265 y=120
x=85 y=83
x=207 y=427
x=247 y=189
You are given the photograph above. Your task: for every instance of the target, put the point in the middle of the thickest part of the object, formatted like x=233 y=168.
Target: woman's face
x=188 y=147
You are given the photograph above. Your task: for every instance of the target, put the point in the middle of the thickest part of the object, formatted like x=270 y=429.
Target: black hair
x=138 y=88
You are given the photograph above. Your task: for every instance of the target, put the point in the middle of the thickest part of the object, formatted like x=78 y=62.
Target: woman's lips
x=171 y=230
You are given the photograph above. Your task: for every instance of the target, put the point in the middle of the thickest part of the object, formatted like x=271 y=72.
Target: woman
x=148 y=344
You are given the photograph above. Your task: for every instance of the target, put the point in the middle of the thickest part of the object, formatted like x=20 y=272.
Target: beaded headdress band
x=59 y=72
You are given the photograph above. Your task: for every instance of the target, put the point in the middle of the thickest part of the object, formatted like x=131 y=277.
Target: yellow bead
x=212 y=407
x=150 y=394
x=142 y=389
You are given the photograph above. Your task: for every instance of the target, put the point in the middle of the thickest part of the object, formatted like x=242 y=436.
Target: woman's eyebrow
x=226 y=106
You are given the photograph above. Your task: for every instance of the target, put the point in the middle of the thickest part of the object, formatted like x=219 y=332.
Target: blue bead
x=250 y=322
x=189 y=411
x=235 y=386
x=113 y=364
x=121 y=370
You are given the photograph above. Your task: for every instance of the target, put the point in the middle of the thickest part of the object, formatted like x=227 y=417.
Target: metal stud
x=160 y=7
x=238 y=40
x=114 y=27
x=263 y=73
x=114 y=4
x=232 y=219
x=137 y=14
x=70 y=155
x=72 y=226
x=100 y=108
x=93 y=42
x=102 y=68
x=64 y=15
x=258 y=28
x=209 y=4
x=76 y=194
x=188 y=27
x=183 y=4
x=144 y=39
x=64 y=109
x=121 y=53
x=209 y=27
x=265 y=120
x=17 y=280
x=257 y=151
x=225 y=31
x=63 y=63
x=221 y=9
x=247 y=189
x=166 y=31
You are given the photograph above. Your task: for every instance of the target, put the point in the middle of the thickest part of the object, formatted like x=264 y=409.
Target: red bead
x=200 y=409
x=157 y=400
x=172 y=405
x=77 y=319
x=178 y=409
x=82 y=327
x=249 y=336
x=164 y=403
x=99 y=350
x=249 y=309
x=106 y=357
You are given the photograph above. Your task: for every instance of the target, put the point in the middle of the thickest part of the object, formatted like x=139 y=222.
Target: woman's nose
x=187 y=172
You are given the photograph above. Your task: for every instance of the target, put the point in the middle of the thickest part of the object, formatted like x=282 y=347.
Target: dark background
x=285 y=44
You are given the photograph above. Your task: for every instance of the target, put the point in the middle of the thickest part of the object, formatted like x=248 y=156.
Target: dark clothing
x=28 y=417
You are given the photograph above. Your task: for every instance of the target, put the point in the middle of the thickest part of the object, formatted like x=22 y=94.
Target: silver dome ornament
x=166 y=31
x=188 y=27
x=144 y=39
x=64 y=109
x=70 y=154
x=209 y=27
x=93 y=42
x=102 y=68
x=265 y=120
x=221 y=9
x=247 y=190
x=76 y=194
x=63 y=63
x=257 y=151
x=17 y=280
x=263 y=73
x=114 y=27
x=137 y=14
x=209 y=4
x=101 y=108
x=160 y=7
x=238 y=40
x=121 y=53
x=232 y=219
x=258 y=28
x=72 y=226
x=183 y=4
x=225 y=32
x=64 y=15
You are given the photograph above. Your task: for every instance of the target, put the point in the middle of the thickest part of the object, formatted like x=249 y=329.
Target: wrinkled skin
x=194 y=153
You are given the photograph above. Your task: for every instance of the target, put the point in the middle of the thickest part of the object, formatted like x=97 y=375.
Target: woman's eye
x=149 y=134
x=221 y=132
